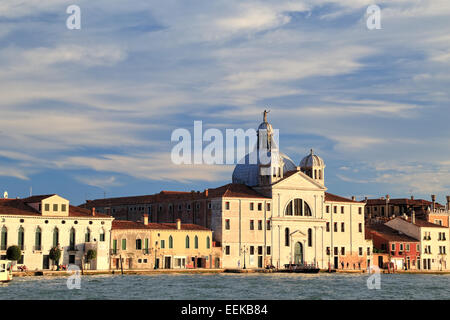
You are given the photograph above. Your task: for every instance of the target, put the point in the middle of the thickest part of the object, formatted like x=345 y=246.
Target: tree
x=91 y=255
x=13 y=253
x=55 y=255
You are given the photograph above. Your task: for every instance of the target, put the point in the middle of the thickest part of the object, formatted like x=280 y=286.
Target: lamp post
x=244 y=250
x=156 y=252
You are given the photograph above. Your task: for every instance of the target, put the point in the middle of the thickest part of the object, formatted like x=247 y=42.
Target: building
x=144 y=245
x=273 y=213
x=39 y=223
x=385 y=208
x=434 y=241
x=402 y=250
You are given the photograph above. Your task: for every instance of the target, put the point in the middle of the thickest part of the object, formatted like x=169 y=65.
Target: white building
x=39 y=223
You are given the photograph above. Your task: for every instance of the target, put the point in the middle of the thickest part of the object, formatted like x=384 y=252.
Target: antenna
x=31 y=191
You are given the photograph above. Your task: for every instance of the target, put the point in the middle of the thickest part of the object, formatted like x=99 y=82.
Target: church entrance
x=298 y=255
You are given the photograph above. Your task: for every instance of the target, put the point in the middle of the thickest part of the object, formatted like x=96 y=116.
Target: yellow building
x=144 y=245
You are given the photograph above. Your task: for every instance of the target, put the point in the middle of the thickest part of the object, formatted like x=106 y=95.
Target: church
x=274 y=213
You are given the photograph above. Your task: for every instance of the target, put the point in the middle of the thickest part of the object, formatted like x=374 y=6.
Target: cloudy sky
x=88 y=113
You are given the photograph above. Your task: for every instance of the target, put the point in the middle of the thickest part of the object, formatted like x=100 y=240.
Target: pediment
x=298 y=180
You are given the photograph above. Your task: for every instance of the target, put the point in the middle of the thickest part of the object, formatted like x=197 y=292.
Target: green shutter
x=196 y=242
x=124 y=244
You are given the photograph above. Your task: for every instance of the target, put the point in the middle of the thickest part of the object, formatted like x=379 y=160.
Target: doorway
x=380 y=262
x=167 y=262
x=260 y=261
x=46 y=262
x=298 y=253
x=336 y=262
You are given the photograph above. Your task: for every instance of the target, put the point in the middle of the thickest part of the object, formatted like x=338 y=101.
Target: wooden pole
x=121 y=265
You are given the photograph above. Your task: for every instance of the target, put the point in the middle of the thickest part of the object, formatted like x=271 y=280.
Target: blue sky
x=89 y=112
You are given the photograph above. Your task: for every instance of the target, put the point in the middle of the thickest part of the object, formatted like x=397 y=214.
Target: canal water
x=230 y=286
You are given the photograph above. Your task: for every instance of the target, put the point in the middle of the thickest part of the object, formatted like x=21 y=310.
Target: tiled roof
x=19 y=207
x=123 y=224
x=424 y=223
x=35 y=199
x=334 y=198
x=231 y=190
x=404 y=201
x=387 y=233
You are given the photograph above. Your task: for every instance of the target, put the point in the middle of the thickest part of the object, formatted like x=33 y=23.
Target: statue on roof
x=265 y=115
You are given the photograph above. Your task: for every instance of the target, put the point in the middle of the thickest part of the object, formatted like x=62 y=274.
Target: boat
x=5 y=271
x=301 y=268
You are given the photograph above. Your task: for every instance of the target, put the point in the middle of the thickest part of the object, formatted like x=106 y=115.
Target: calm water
x=230 y=286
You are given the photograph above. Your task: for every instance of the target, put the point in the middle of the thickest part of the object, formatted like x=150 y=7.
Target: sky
x=89 y=113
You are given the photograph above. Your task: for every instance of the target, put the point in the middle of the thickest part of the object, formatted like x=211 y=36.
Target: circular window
x=46 y=221
x=21 y=220
x=76 y=222
x=90 y=222
x=63 y=222
x=103 y=222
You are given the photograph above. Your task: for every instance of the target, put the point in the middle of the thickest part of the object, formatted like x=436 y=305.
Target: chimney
x=448 y=203
x=178 y=224
x=387 y=198
x=365 y=199
x=353 y=198
x=206 y=192
x=412 y=197
x=433 y=200
x=145 y=216
x=93 y=211
x=413 y=217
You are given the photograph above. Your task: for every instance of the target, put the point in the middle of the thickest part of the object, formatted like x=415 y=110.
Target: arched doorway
x=298 y=255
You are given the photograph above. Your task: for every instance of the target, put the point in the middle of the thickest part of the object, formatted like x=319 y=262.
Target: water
x=230 y=286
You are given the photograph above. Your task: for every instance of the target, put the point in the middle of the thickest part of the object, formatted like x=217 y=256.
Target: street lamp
x=156 y=253
x=244 y=250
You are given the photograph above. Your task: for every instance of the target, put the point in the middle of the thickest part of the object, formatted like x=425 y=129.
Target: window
x=368 y=251
x=4 y=239
x=114 y=246
x=139 y=244
x=286 y=237
x=268 y=250
x=342 y=251
x=38 y=239
x=47 y=207
x=63 y=208
x=418 y=247
x=55 y=207
x=335 y=209
x=260 y=250
x=393 y=247
x=328 y=227
x=328 y=251
x=268 y=224
x=102 y=235
x=401 y=246
x=336 y=251
x=196 y=242
x=252 y=206
x=124 y=244
x=227 y=205
x=72 y=239
x=71 y=259
x=227 y=250
x=298 y=207
x=407 y=247
x=342 y=209
x=187 y=242
x=208 y=243
x=327 y=209
x=335 y=227
x=163 y=244
x=309 y=237
x=359 y=210
x=259 y=206
x=268 y=207
x=360 y=251
x=260 y=225
x=227 y=224
x=288 y=211
x=342 y=227
x=360 y=227
x=87 y=236
x=252 y=225
x=170 y=242
x=252 y=250
x=209 y=205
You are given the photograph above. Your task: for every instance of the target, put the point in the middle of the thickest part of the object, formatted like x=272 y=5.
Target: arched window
x=309 y=237
x=138 y=244
x=72 y=239
x=196 y=242
x=298 y=207
x=170 y=242
x=315 y=174
x=4 y=238
x=208 y=243
x=55 y=237
x=38 y=239
x=187 y=242
x=320 y=174
x=286 y=237
x=87 y=236
x=21 y=238
x=102 y=235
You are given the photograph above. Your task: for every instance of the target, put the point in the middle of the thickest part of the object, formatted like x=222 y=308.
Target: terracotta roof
x=35 y=199
x=124 y=224
x=404 y=201
x=234 y=190
x=20 y=207
x=334 y=198
x=387 y=233
x=424 y=223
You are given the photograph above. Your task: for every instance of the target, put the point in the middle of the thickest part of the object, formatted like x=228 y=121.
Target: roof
x=329 y=197
x=388 y=233
x=19 y=207
x=124 y=224
x=403 y=201
x=423 y=223
x=234 y=190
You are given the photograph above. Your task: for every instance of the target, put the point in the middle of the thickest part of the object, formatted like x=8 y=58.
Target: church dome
x=312 y=160
x=248 y=173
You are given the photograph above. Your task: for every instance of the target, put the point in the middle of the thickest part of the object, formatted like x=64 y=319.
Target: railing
x=114 y=251
x=146 y=251
x=37 y=248
x=72 y=248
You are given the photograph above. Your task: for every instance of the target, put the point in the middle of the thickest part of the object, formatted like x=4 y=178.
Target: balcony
x=72 y=248
x=37 y=248
x=146 y=251
x=114 y=252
